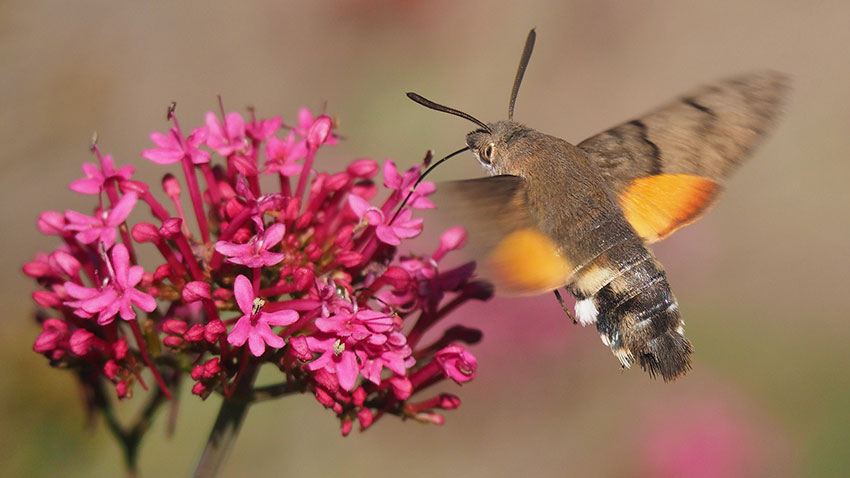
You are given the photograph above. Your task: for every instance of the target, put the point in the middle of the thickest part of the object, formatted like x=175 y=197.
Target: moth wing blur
x=512 y=252
x=668 y=167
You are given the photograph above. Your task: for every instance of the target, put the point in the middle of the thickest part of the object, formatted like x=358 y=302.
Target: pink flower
x=452 y=239
x=118 y=297
x=306 y=122
x=51 y=222
x=402 y=183
x=336 y=359
x=404 y=227
x=52 y=337
x=262 y=130
x=101 y=227
x=346 y=315
x=227 y=138
x=360 y=342
x=457 y=363
x=372 y=215
x=256 y=252
x=283 y=154
x=365 y=324
x=96 y=178
x=393 y=355
x=254 y=325
x=174 y=147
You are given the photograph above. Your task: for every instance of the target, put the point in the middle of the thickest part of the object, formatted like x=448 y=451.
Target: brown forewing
x=707 y=132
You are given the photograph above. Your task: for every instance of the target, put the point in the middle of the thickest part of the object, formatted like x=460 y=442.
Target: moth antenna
x=445 y=109
x=430 y=168
x=520 y=72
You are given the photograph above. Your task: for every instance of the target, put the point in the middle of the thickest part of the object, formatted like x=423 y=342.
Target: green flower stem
x=227 y=425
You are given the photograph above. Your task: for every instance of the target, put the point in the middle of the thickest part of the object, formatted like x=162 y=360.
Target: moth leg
x=564 y=306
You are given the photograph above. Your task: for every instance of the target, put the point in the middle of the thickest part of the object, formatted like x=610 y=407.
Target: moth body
x=608 y=267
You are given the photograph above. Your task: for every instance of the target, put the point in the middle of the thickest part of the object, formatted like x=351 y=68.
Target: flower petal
x=256 y=344
x=273 y=235
x=270 y=338
x=239 y=333
x=142 y=300
x=346 y=370
x=122 y=209
x=121 y=265
x=280 y=317
x=387 y=235
x=244 y=292
x=232 y=250
x=86 y=186
x=163 y=156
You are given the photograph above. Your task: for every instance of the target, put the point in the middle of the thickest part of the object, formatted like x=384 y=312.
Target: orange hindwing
x=657 y=205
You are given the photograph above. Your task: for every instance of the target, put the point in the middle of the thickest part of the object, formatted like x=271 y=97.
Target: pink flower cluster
x=307 y=279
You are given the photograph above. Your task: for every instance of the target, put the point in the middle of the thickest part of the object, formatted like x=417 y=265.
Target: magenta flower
x=96 y=177
x=50 y=340
x=359 y=342
x=457 y=363
x=118 y=297
x=254 y=325
x=404 y=227
x=306 y=122
x=334 y=359
x=51 y=223
x=365 y=324
x=262 y=130
x=281 y=155
x=402 y=183
x=227 y=138
x=372 y=215
x=173 y=147
x=255 y=253
x=101 y=227
x=311 y=265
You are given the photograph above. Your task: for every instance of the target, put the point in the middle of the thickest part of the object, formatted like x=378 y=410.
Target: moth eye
x=488 y=152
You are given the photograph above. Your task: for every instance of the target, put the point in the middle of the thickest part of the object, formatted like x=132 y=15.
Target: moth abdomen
x=634 y=310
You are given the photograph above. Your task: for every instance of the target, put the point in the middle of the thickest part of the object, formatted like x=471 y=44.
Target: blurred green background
x=761 y=282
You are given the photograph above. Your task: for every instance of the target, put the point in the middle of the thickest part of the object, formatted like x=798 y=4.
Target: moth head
x=497 y=148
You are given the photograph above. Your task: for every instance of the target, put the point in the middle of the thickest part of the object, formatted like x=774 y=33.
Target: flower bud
x=51 y=222
x=319 y=131
x=145 y=232
x=195 y=291
x=365 y=417
x=174 y=326
x=171 y=227
x=81 y=342
x=171 y=186
x=195 y=333
x=303 y=277
x=213 y=330
x=172 y=341
x=46 y=299
x=110 y=369
x=362 y=168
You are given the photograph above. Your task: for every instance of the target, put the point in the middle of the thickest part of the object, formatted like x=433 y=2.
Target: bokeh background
x=762 y=281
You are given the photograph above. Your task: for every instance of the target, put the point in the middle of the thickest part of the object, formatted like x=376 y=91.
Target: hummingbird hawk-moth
x=552 y=214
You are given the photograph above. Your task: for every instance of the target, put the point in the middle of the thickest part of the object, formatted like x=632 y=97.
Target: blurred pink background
x=761 y=281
